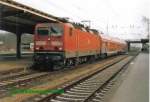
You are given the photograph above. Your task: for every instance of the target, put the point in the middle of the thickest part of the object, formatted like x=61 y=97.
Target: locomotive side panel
x=88 y=44
x=70 y=42
x=78 y=43
x=96 y=43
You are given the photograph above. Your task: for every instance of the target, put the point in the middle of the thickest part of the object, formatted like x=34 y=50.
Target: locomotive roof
x=82 y=27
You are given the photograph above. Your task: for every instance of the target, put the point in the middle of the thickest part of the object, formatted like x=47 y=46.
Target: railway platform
x=12 y=56
x=11 y=62
x=135 y=86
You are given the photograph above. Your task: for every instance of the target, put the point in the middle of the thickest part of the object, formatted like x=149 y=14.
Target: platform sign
x=31 y=46
x=25 y=46
x=1 y=42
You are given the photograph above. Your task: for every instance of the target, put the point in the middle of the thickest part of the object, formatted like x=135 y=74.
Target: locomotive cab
x=48 y=43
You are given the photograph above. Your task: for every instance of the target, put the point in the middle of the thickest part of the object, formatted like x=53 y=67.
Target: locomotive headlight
x=56 y=43
x=37 y=48
x=60 y=48
x=40 y=43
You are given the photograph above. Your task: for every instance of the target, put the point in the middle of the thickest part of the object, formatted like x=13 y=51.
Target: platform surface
x=11 y=62
x=135 y=87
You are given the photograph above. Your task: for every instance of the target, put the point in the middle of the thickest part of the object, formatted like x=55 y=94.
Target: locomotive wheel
x=50 y=67
x=76 y=61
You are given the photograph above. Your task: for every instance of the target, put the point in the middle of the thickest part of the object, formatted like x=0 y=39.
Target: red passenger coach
x=112 y=46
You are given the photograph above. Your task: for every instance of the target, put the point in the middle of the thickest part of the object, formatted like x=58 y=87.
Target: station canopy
x=18 y=17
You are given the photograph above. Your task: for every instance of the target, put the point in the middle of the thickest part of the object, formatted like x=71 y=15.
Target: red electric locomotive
x=64 y=44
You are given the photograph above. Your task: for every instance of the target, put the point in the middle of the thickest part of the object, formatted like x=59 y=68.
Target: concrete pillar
x=143 y=46
x=18 y=46
x=1 y=10
x=128 y=46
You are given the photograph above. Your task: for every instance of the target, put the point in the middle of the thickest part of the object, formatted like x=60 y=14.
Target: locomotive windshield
x=42 y=31
x=56 y=29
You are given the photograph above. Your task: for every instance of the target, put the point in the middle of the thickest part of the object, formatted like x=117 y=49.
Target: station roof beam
x=18 y=19
x=16 y=15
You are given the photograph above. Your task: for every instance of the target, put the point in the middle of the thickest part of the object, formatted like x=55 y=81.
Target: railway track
x=86 y=88
x=72 y=87
x=5 y=83
x=10 y=76
x=19 y=80
x=15 y=76
x=27 y=80
x=12 y=71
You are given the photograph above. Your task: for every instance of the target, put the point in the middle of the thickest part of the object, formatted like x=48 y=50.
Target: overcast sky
x=123 y=17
